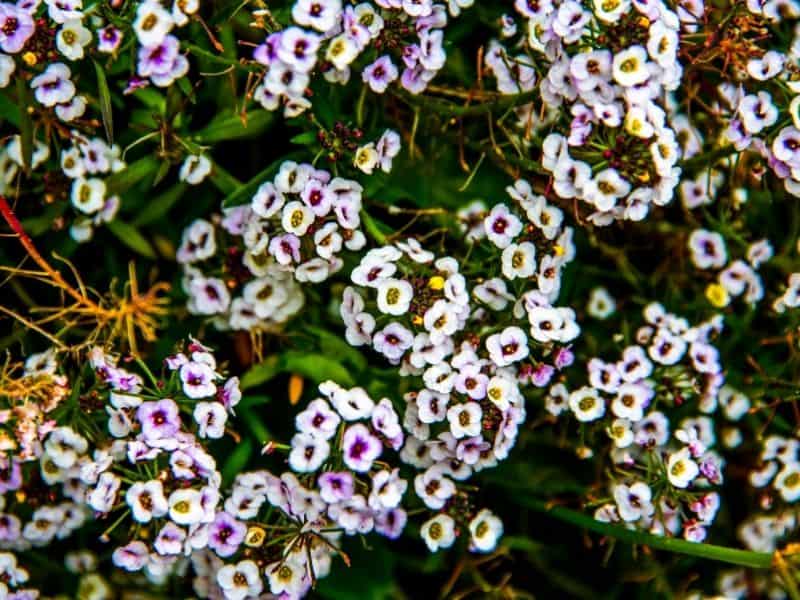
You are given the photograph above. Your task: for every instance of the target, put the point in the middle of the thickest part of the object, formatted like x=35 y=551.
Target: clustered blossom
x=341 y=482
x=386 y=39
x=630 y=401
x=423 y=315
x=734 y=277
x=617 y=150
x=293 y=231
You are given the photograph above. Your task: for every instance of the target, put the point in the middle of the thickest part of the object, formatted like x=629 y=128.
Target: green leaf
x=260 y=373
x=132 y=238
x=246 y=192
x=25 y=124
x=254 y=423
x=317 y=367
x=231 y=127
x=105 y=101
x=225 y=182
x=160 y=205
x=237 y=460
x=9 y=111
x=306 y=138
x=131 y=175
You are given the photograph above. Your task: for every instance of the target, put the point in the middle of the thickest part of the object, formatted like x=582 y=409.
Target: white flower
x=54 y=85
x=71 y=39
x=601 y=303
x=341 y=51
x=629 y=67
x=485 y=529
x=296 y=218
x=195 y=169
x=366 y=158
x=438 y=532
x=633 y=502
x=153 y=22
x=787 y=482
x=88 y=195
x=586 y=404
x=681 y=469
x=146 y=500
x=508 y=346
x=186 y=506
x=465 y=419
x=308 y=453
x=631 y=400
x=240 y=581
x=210 y=418
x=286 y=578
x=394 y=296
x=502 y=226
x=519 y=260
x=7 y=66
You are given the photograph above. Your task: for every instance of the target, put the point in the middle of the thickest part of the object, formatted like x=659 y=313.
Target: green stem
x=451 y=109
x=745 y=558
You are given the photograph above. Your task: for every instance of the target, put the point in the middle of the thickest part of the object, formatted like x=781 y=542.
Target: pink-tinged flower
x=564 y=358
x=336 y=486
x=10 y=475
x=392 y=341
x=387 y=423
x=285 y=248
x=159 y=420
x=317 y=197
x=267 y=52
x=508 y=346
x=210 y=418
x=230 y=394
x=131 y=557
x=135 y=83
x=360 y=448
x=169 y=540
x=198 y=380
x=16 y=27
x=102 y=497
x=226 y=534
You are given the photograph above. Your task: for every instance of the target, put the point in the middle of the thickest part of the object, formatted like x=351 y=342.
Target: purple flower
x=135 y=83
x=10 y=475
x=361 y=448
x=391 y=522
x=542 y=375
x=16 y=26
x=226 y=534
x=159 y=419
x=335 y=487
x=198 y=380
x=267 y=52
x=380 y=74
x=158 y=60
x=392 y=341
x=108 y=39
x=564 y=358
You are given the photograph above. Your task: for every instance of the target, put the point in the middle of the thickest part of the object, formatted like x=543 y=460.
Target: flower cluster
x=662 y=476
x=734 y=278
x=336 y=39
x=607 y=72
